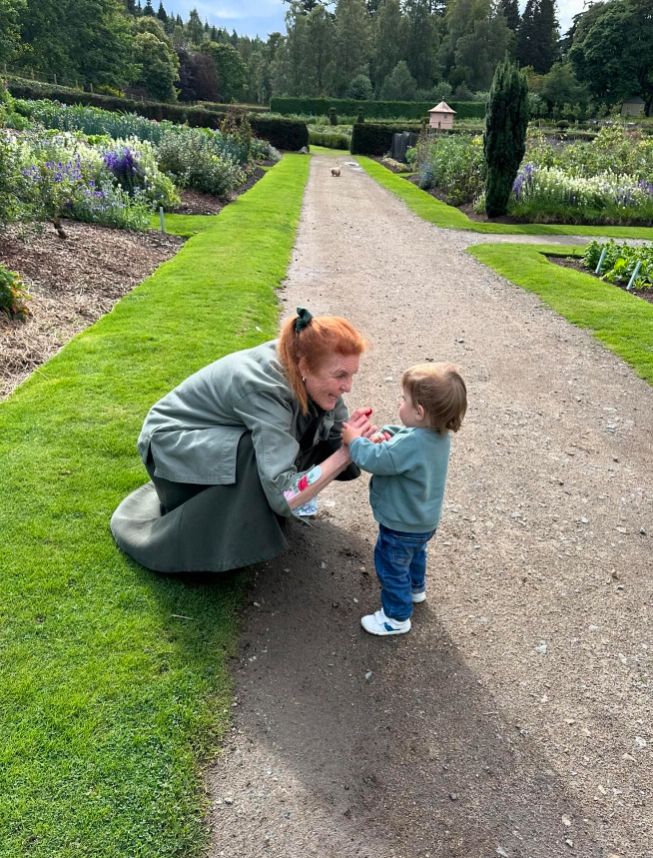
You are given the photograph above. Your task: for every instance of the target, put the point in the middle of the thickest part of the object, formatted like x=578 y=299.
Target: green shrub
x=281 y=133
x=453 y=164
x=11 y=181
x=193 y=158
x=371 y=139
x=13 y=294
x=372 y=109
x=332 y=140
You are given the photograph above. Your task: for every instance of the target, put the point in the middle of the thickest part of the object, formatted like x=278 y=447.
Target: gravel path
x=515 y=719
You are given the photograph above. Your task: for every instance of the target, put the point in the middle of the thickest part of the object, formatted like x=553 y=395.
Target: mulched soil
x=195 y=202
x=74 y=281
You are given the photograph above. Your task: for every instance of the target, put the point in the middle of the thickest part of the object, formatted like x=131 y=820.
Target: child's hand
x=360 y=419
x=380 y=436
x=349 y=433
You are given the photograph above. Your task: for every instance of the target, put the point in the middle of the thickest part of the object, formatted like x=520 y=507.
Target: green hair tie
x=303 y=319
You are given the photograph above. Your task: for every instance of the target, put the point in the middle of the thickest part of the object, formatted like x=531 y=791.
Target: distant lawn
x=113 y=680
x=429 y=208
x=620 y=321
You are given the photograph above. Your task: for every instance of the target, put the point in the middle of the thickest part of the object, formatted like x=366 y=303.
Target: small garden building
x=633 y=107
x=441 y=116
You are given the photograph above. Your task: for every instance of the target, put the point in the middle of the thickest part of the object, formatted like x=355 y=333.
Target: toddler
x=409 y=467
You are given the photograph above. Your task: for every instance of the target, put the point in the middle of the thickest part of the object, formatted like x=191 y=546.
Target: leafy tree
x=101 y=42
x=612 y=51
x=400 y=84
x=230 y=70
x=159 y=67
x=478 y=51
x=360 y=88
x=504 y=140
x=389 y=40
x=352 y=45
x=287 y=68
x=156 y=59
x=422 y=42
x=317 y=51
x=476 y=38
x=40 y=51
x=560 y=87
x=10 y=19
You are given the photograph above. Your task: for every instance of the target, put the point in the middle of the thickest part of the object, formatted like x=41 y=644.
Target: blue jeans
x=400 y=560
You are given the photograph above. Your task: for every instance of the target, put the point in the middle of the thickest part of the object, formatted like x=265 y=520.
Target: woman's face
x=331 y=380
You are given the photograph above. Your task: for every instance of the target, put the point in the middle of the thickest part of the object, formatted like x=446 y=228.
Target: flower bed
x=607 y=181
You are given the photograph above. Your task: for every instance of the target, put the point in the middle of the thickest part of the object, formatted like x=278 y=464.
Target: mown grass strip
x=327 y=150
x=113 y=680
x=622 y=322
x=427 y=207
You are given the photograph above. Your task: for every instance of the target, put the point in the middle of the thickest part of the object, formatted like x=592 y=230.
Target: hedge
x=370 y=139
x=282 y=133
x=372 y=109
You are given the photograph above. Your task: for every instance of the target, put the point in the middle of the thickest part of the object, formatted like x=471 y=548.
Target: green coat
x=194 y=431
x=236 y=428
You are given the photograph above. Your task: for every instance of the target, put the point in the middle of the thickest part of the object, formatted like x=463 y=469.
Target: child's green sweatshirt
x=410 y=472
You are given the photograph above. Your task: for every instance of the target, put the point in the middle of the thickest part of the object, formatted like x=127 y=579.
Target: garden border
x=115 y=680
x=448 y=217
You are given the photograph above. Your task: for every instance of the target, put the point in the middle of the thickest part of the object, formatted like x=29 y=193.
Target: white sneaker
x=418 y=597
x=379 y=624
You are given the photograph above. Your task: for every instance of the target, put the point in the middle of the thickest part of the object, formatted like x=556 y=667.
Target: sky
x=261 y=17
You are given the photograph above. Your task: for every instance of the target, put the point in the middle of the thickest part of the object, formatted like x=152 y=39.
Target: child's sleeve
x=384 y=458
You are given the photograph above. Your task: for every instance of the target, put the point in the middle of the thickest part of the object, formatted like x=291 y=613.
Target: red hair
x=320 y=339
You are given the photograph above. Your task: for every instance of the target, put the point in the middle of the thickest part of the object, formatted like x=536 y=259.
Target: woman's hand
x=360 y=420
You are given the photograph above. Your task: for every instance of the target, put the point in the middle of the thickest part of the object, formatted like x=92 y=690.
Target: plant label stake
x=633 y=276
x=162 y=220
x=601 y=258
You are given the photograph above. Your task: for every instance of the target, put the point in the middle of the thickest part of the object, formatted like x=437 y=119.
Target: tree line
x=389 y=49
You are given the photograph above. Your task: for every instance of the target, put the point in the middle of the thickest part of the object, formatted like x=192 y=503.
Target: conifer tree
x=162 y=14
x=510 y=9
x=504 y=140
x=148 y=10
x=537 y=36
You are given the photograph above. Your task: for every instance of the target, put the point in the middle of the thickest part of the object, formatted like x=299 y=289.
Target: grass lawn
x=113 y=683
x=620 y=321
x=427 y=207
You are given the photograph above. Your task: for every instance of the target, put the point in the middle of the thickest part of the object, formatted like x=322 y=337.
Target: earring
x=304 y=379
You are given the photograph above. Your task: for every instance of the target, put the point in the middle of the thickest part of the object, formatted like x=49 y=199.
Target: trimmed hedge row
x=282 y=133
x=370 y=139
x=372 y=109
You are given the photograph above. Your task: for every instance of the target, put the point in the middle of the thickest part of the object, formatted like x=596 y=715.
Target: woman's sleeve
x=270 y=420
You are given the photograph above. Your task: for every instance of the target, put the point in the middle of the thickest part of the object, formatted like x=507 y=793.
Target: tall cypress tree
x=504 y=141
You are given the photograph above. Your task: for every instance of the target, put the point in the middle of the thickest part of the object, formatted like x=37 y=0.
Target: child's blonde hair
x=441 y=391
